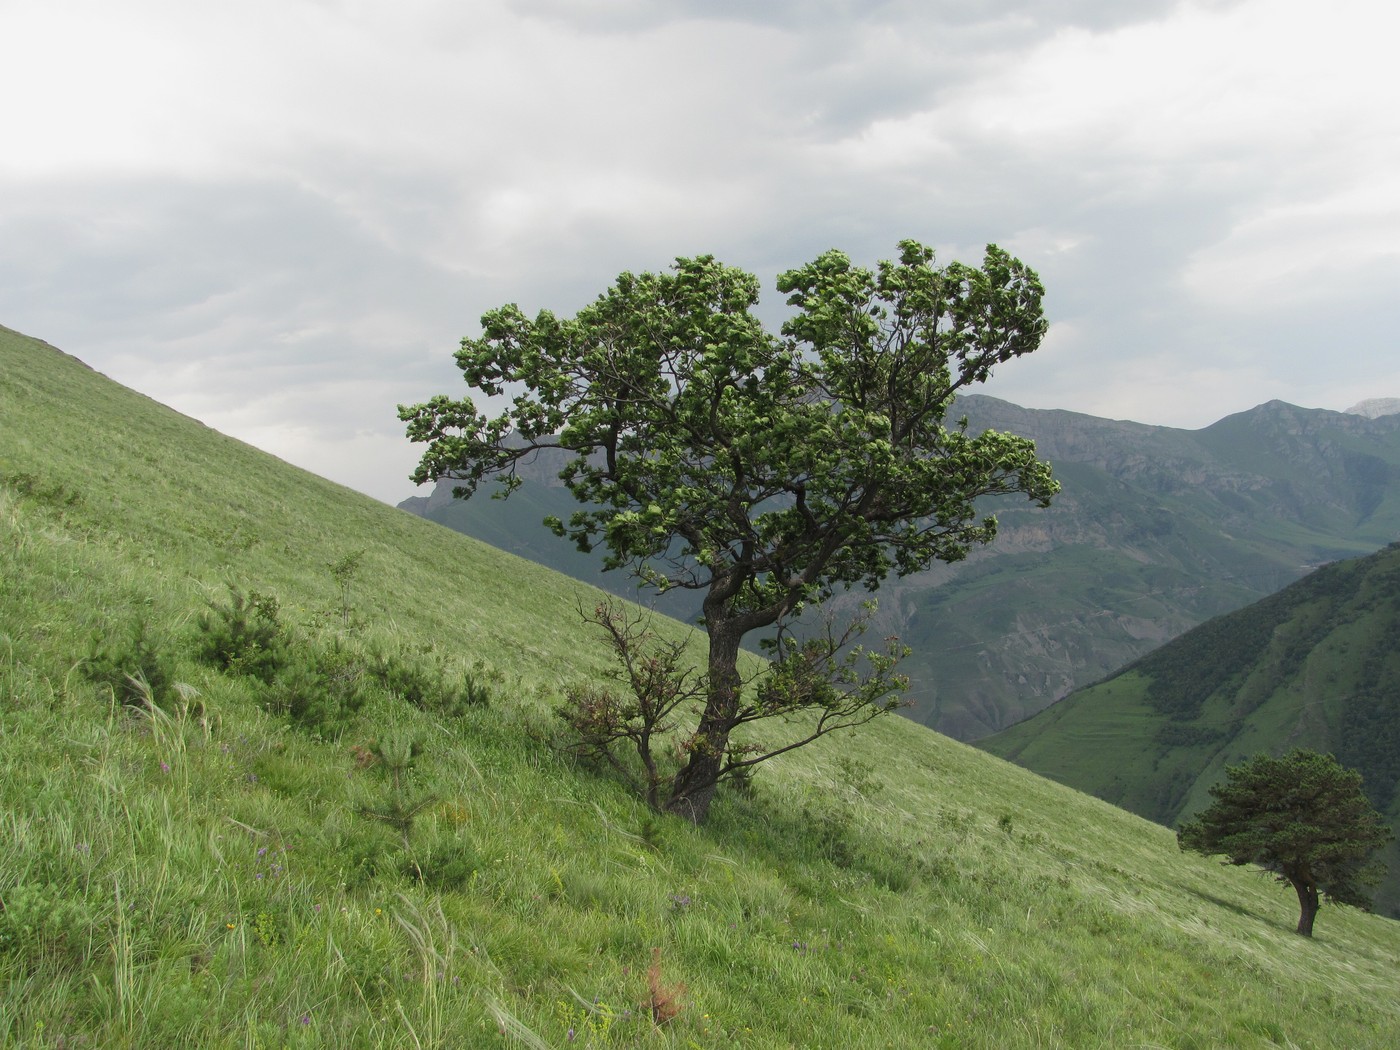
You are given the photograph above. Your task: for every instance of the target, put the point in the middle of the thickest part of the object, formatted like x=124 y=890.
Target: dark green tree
x=1303 y=817
x=761 y=470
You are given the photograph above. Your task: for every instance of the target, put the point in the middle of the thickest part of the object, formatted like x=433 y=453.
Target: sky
x=281 y=216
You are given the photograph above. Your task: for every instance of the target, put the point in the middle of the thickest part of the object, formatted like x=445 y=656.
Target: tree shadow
x=1221 y=902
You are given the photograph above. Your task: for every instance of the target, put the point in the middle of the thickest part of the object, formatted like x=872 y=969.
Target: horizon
x=281 y=218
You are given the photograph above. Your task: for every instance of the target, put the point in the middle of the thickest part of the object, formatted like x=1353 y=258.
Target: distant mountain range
x=1375 y=407
x=1316 y=665
x=1156 y=530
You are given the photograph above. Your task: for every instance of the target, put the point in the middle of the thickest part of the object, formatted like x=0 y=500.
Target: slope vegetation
x=274 y=864
x=1156 y=530
x=1315 y=665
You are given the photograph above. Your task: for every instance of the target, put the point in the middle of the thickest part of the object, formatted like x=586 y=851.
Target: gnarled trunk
x=1307 y=905
x=693 y=789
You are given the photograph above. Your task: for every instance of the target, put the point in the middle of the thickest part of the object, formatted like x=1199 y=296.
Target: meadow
x=383 y=847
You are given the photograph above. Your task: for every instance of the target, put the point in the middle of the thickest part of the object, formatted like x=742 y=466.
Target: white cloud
x=281 y=216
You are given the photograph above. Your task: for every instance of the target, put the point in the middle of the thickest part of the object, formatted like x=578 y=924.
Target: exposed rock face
x=1375 y=407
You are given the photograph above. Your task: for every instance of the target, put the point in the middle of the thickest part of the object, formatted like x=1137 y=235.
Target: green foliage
x=828 y=681
x=1178 y=734
x=138 y=669
x=446 y=866
x=320 y=683
x=1092 y=930
x=1370 y=737
x=320 y=689
x=345 y=570
x=1316 y=661
x=629 y=731
x=54 y=494
x=394 y=755
x=45 y=922
x=1303 y=817
x=243 y=635
x=764 y=472
x=996 y=639
x=1216 y=656
x=426 y=681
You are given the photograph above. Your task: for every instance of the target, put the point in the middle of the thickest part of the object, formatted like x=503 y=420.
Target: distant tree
x=762 y=471
x=1303 y=817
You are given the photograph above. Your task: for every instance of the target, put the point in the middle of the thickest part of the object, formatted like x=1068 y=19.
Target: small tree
x=762 y=471
x=829 y=676
x=1303 y=817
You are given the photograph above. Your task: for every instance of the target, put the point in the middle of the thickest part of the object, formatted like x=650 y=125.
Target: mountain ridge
x=1313 y=665
x=1156 y=529
x=220 y=873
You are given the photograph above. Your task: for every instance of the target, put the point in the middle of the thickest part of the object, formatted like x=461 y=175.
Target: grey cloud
x=301 y=283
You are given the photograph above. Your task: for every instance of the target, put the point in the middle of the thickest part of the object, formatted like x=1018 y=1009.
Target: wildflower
x=165 y=767
x=305 y=1018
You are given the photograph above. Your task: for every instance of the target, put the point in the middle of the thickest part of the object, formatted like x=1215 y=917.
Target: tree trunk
x=693 y=789
x=1307 y=904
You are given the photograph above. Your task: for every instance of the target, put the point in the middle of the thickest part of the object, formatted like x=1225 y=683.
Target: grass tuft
x=199 y=871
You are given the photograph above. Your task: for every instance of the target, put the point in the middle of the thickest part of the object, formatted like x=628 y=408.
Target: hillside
x=238 y=868
x=1155 y=531
x=1315 y=665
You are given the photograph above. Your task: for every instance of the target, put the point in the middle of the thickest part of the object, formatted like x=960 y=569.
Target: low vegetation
x=1314 y=662
x=1302 y=817
x=197 y=864
x=763 y=472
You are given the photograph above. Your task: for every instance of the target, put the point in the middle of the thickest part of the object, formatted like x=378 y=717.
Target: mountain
x=1315 y=665
x=223 y=871
x=1156 y=530
x=1375 y=407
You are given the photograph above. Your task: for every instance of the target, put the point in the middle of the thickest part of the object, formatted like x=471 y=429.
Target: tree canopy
x=764 y=471
x=1303 y=817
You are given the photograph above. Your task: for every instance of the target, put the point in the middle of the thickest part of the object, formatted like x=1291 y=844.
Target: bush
x=244 y=635
x=446 y=867
x=44 y=922
x=319 y=690
x=427 y=683
x=131 y=665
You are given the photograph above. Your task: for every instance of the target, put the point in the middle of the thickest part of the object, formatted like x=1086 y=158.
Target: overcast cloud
x=280 y=216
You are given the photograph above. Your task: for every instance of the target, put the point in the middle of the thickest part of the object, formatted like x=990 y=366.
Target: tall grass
x=203 y=871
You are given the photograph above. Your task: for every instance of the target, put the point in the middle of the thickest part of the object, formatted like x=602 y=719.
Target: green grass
x=1314 y=663
x=207 y=875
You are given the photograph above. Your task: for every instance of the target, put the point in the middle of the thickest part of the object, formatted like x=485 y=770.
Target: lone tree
x=1303 y=817
x=762 y=470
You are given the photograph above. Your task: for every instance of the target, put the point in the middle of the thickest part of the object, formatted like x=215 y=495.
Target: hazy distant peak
x=1375 y=407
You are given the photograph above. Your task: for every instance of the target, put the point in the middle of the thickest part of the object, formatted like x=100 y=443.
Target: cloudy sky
x=280 y=216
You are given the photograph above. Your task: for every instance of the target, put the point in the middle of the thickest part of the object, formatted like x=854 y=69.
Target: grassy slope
x=1313 y=665
x=1154 y=531
x=207 y=878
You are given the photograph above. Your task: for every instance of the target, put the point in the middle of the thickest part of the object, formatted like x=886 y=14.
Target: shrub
x=132 y=665
x=244 y=635
x=446 y=866
x=427 y=683
x=319 y=690
x=43 y=922
x=395 y=756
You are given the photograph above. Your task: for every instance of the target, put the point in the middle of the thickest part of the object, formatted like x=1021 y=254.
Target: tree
x=762 y=470
x=1303 y=817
